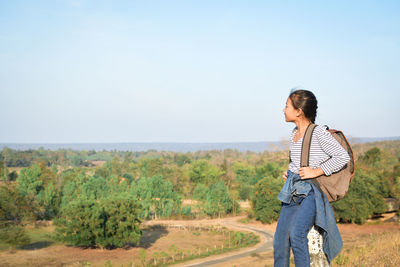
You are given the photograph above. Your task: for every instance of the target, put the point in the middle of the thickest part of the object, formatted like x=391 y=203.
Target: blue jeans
x=295 y=221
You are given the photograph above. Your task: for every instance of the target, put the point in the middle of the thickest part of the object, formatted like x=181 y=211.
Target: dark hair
x=305 y=100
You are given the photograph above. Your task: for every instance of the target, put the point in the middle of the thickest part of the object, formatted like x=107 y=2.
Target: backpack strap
x=305 y=154
x=305 y=147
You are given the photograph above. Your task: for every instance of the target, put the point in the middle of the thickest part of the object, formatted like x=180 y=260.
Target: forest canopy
x=105 y=188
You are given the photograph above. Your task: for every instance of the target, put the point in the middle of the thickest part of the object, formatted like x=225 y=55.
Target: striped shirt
x=325 y=152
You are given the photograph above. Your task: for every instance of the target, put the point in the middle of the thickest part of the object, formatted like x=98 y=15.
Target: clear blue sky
x=194 y=71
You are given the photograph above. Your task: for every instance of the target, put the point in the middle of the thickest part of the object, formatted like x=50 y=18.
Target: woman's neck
x=302 y=125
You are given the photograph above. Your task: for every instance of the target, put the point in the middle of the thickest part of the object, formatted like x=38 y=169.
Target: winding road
x=265 y=245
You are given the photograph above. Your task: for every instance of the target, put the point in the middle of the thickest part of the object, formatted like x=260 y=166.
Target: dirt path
x=266 y=238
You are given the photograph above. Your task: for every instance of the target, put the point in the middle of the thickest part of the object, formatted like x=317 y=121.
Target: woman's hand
x=308 y=173
x=284 y=176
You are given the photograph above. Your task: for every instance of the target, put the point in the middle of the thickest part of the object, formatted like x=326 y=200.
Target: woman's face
x=290 y=112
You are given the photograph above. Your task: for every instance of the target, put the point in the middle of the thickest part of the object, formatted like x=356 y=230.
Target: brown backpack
x=336 y=185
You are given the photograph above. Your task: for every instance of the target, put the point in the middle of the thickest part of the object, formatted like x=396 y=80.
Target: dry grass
x=377 y=248
x=371 y=244
x=155 y=239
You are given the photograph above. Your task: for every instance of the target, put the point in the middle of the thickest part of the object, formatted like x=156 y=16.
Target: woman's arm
x=307 y=172
x=338 y=155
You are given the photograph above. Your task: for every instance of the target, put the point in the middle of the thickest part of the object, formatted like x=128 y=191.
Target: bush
x=218 y=200
x=14 y=210
x=361 y=201
x=108 y=222
x=245 y=191
x=265 y=201
x=157 y=197
x=187 y=211
x=14 y=235
x=240 y=239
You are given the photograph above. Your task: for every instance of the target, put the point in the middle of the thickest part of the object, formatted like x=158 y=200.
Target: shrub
x=218 y=201
x=14 y=235
x=265 y=201
x=108 y=222
x=361 y=201
x=14 y=209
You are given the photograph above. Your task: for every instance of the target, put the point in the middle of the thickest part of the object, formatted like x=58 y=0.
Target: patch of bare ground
x=16 y=169
x=98 y=163
x=156 y=239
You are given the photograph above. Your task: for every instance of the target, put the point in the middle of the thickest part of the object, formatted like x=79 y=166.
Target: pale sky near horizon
x=194 y=71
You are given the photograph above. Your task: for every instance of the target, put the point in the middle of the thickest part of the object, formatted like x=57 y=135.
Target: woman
x=302 y=203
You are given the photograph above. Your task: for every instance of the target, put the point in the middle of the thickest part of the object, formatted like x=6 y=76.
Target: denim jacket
x=294 y=186
x=324 y=217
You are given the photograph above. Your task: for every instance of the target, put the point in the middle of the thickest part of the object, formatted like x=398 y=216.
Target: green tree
x=14 y=210
x=395 y=188
x=218 y=200
x=128 y=177
x=362 y=200
x=151 y=167
x=181 y=159
x=270 y=169
x=76 y=161
x=107 y=222
x=245 y=177
x=31 y=188
x=372 y=157
x=78 y=223
x=245 y=191
x=51 y=200
x=116 y=166
x=72 y=188
x=95 y=188
x=265 y=202
x=3 y=170
x=156 y=196
x=117 y=185
x=29 y=182
x=198 y=171
x=200 y=192
x=244 y=173
x=203 y=172
x=121 y=221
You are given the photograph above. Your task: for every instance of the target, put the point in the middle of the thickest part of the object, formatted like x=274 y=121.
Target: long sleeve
x=338 y=155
